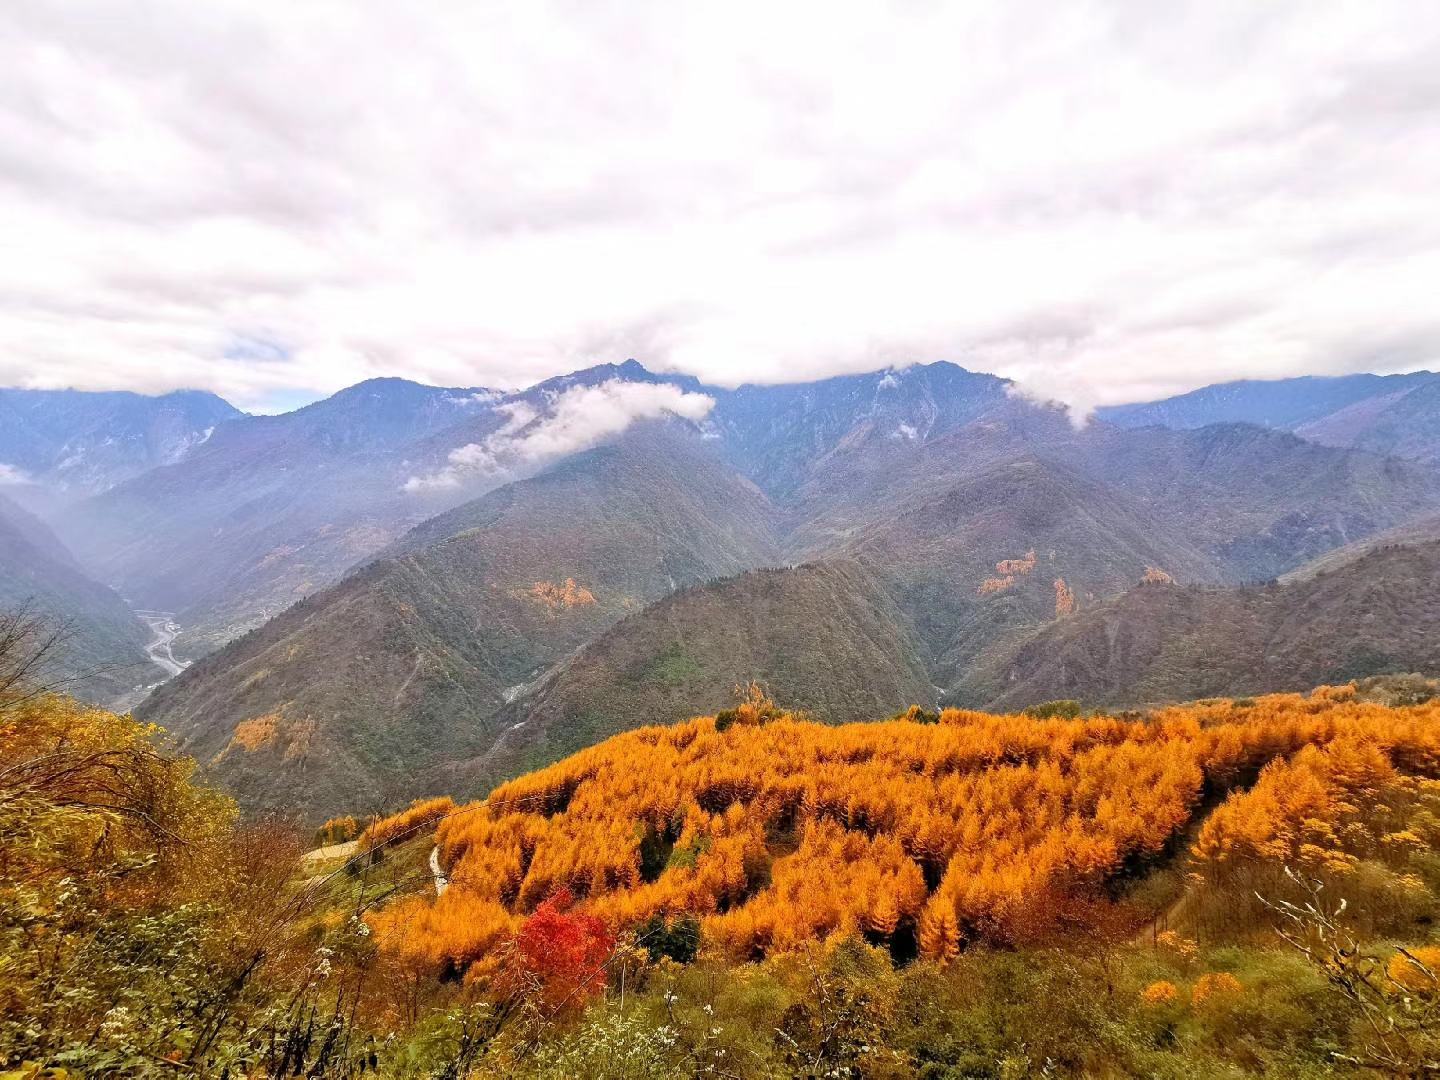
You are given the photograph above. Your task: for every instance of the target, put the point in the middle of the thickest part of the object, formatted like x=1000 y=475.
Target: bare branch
x=30 y=644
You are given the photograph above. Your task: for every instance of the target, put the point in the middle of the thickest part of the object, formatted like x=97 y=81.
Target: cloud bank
x=1107 y=200
x=575 y=419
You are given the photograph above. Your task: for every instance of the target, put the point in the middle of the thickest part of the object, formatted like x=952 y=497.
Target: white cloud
x=1102 y=199
x=575 y=419
x=11 y=475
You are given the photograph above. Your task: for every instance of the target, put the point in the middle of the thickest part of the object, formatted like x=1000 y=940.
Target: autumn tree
x=772 y=831
x=562 y=953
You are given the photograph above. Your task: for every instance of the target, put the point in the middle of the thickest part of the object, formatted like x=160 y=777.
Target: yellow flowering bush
x=1213 y=986
x=1160 y=993
x=1416 y=977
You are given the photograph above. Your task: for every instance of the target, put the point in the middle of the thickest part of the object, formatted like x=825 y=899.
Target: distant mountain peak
x=75 y=442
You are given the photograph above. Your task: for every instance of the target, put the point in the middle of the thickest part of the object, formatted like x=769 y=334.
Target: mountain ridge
x=1373 y=615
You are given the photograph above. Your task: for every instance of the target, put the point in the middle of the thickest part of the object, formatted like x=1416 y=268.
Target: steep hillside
x=1160 y=642
x=269 y=509
x=350 y=699
x=1410 y=534
x=103 y=656
x=979 y=561
x=922 y=836
x=71 y=443
x=823 y=638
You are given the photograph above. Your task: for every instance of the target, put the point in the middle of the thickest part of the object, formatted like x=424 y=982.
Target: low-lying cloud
x=574 y=419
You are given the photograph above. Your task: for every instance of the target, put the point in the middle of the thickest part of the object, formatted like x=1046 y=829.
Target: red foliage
x=564 y=952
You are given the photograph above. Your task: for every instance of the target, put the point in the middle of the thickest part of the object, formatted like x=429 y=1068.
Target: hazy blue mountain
x=270 y=508
x=778 y=435
x=1261 y=502
x=1405 y=423
x=1279 y=403
x=73 y=442
x=103 y=655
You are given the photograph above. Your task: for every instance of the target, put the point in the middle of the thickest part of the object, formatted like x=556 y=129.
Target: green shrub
x=678 y=939
x=1054 y=710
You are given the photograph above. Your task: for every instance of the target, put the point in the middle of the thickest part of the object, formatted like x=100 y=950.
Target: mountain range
x=404 y=589
x=1388 y=414
x=59 y=445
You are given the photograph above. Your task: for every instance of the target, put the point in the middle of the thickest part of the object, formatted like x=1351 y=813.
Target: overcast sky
x=273 y=199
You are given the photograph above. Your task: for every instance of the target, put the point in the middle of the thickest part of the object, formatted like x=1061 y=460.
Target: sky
x=1105 y=201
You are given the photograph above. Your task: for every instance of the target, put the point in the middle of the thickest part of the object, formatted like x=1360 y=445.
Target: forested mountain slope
x=1375 y=614
x=823 y=638
x=923 y=836
x=351 y=698
x=976 y=562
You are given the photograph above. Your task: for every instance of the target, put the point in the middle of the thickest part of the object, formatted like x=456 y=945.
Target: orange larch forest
x=775 y=831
